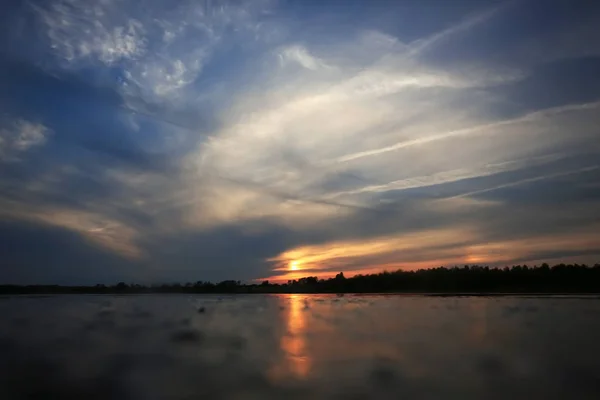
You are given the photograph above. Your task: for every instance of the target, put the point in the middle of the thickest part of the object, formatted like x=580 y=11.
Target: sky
x=162 y=141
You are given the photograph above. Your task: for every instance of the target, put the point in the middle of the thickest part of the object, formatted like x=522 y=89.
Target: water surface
x=299 y=347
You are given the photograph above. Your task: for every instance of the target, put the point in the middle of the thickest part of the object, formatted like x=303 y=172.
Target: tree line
x=561 y=278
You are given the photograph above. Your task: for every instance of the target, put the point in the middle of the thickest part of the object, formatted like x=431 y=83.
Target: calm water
x=299 y=347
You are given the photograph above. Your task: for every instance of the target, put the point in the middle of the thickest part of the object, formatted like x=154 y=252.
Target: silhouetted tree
x=561 y=278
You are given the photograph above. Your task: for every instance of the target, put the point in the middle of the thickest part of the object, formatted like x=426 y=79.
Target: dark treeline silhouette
x=561 y=278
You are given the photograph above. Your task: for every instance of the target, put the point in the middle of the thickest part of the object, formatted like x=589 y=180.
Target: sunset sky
x=156 y=140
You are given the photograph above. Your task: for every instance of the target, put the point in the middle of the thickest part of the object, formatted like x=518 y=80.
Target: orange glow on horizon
x=452 y=247
x=390 y=267
x=315 y=258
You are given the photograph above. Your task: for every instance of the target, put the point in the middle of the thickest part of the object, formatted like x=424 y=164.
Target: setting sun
x=294 y=265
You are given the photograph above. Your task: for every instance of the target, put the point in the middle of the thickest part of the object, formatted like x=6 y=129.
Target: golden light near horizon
x=312 y=257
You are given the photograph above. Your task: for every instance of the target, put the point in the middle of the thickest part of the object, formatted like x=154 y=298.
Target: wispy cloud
x=531 y=180
x=421 y=250
x=325 y=256
x=299 y=54
x=473 y=130
x=451 y=176
x=162 y=49
x=312 y=122
x=21 y=137
x=429 y=42
x=366 y=150
x=99 y=230
x=78 y=31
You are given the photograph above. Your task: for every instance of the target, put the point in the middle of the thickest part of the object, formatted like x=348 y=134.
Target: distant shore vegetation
x=560 y=278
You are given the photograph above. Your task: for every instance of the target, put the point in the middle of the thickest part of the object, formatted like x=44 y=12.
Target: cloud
x=161 y=49
x=473 y=130
x=48 y=254
x=449 y=176
x=445 y=233
x=21 y=137
x=110 y=234
x=214 y=141
x=77 y=30
x=430 y=42
x=534 y=179
x=289 y=138
x=300 y=55
x=318 y=256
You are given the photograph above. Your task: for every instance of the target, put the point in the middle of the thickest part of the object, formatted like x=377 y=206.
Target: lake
x=299 y=347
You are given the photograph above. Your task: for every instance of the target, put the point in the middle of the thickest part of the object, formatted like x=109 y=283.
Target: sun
x=294 y=265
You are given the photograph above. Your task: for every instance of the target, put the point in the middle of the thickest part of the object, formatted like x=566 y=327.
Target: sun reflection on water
x=294 y=342
x=296 y=361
